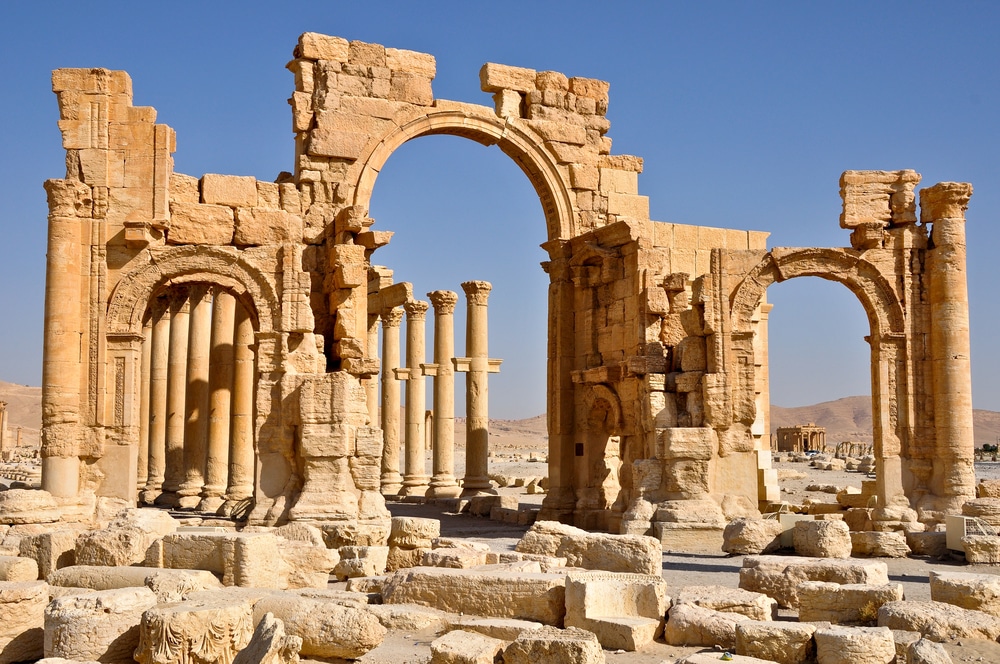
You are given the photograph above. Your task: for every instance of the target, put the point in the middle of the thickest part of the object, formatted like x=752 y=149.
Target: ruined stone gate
x=261 y=295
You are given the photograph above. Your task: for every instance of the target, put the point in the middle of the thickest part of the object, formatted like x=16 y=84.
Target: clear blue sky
x=745 y=114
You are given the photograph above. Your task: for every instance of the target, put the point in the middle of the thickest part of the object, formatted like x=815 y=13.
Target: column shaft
x=173 y=474
x=220 y=400
x=241 y=447
x=443 y=483
x=477 y=422
x=159 y=355
x=392 y=481
x=415 y=478
x=142 y=466
x=196 y=406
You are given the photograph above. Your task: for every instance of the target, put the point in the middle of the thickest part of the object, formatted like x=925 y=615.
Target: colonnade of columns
x=443 y=482
x=196 y=401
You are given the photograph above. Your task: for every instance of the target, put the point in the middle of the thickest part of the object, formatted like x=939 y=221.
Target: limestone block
x=538 y=597
x=410 y=532
x=484 y=505
x=16 y=568
x=22 y=605
x=101 y=625
x=308 y=565
x=50 y=550
x=459 y=543
x=822 y=539
x=27 y=506
x=505 y=629
x=173 y=585
x=408 y=617
x=613 y=553
x=169 y=585
x=411 y=88
x=745 y=536
x=924 y=651
x=254 y=226
x=231 y=190
x=197 y=630
x=494 y=78
x=461 y=647
x=981 y=549
x=700 y=443
x=455 y=558
x=712 y=658
x=779 y=577
x=783 y=642
x=939 y=621
x=931 y=544
x=844 y=604
x=753 y=605
x=875 y=544
x=327 y=142
x=126 y=540
x=242 y=559
x=194 y=223
x=270 y=645
x=988 y=489
x=554 y=646
x=693 y=625
x=314 y=46
x=361 y=561
x=413 y=62
x=979 y=592
x=854 y=645
x=625 y=611
x=326 y=629
x=400 y=558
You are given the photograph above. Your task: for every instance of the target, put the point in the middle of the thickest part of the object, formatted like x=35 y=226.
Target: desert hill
x=24 y=409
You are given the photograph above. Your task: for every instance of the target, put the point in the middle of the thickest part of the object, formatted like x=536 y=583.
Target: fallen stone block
x=361 y=561
x=987 y=509
x=326 y=629
x=978 y=592
x=927 y=652
x=885 y=544
x=400 y=558
x=933 y=544
x=126 y=540
x=409 y=617
x=241 y=559
x=410 y=532
x=854 y=645
x=196 y=630
x=753 y=605
x=459 y=543
x=102 y=625
x=22 y=607
x=545 y=563
x=712 y=658
x=308 y=565
x=693 y=625
x=779 y=576
x=454 y=558
x=51 y=550
x=745 y=536
x=505 y=629
x=554 y=646
x=537 y=597
x=939 y=621
x=17 y=568
x=822 y=539
x=981 y=549
x=367 y=584
x=845 y=604
x=169 y=585
x=783 y=642
x=639 y=554
x=461 y=647
x=19 y=506
x=625 y=611
x=484 y=505
x=270 y=645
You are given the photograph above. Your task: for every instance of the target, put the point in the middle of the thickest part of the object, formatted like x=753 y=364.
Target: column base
x=470 y=492
x=166 y=499
x=415 y=486
x=444 y=489
x=188 y=502
x=211 y=504
x=391 y=484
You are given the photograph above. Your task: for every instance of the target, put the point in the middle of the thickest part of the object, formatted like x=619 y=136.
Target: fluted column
x=477 y=365
x=392 y=481
x=443 y=483
x=415 y=478
x=142 y=462
x=241 y=449
x=173 y=475
x=159 y=356
x=220 y=383
x=196 y=407
x=953 y=479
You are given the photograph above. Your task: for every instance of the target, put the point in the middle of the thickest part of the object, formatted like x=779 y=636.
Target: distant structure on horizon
x=801 y=438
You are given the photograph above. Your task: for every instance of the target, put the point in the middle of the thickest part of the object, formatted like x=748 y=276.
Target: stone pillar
x=392 y=481
x=415 y=478
x=196 y=406
x=241 y=446
x=953 y=479
x=3 y=430
x=142 y=464
x=159 y=355
x=220 y=401
x=371 y=382
x=477 y=365
x=443 y=483
x=173 y=474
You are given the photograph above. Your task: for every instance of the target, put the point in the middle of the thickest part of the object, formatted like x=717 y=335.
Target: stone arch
x=512 y=136
x=188 y=264
x=877 y=297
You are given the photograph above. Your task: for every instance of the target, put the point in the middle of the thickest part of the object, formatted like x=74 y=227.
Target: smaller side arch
x=186 y=264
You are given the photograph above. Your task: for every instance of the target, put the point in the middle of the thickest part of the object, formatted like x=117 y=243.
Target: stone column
x=220 y=383
x=241 y=447
x=415 y=478
x=392 y=481
x=159 y=355
x=371 y=382
x=443 y=483
x=173 y=475
x=478 y=365
x=953 y=479
x=3 y=430
x=196 y=406
x=142 y=464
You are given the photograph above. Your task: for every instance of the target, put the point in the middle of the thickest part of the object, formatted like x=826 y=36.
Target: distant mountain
x=850 y=418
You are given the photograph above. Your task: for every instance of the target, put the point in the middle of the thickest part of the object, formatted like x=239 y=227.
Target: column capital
x=945 y=200
x=416 y=310
x=444 y=301
x=391 y=317
x=477 y=291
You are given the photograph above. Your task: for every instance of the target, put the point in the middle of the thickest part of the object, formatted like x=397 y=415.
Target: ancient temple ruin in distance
x=212 y=341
